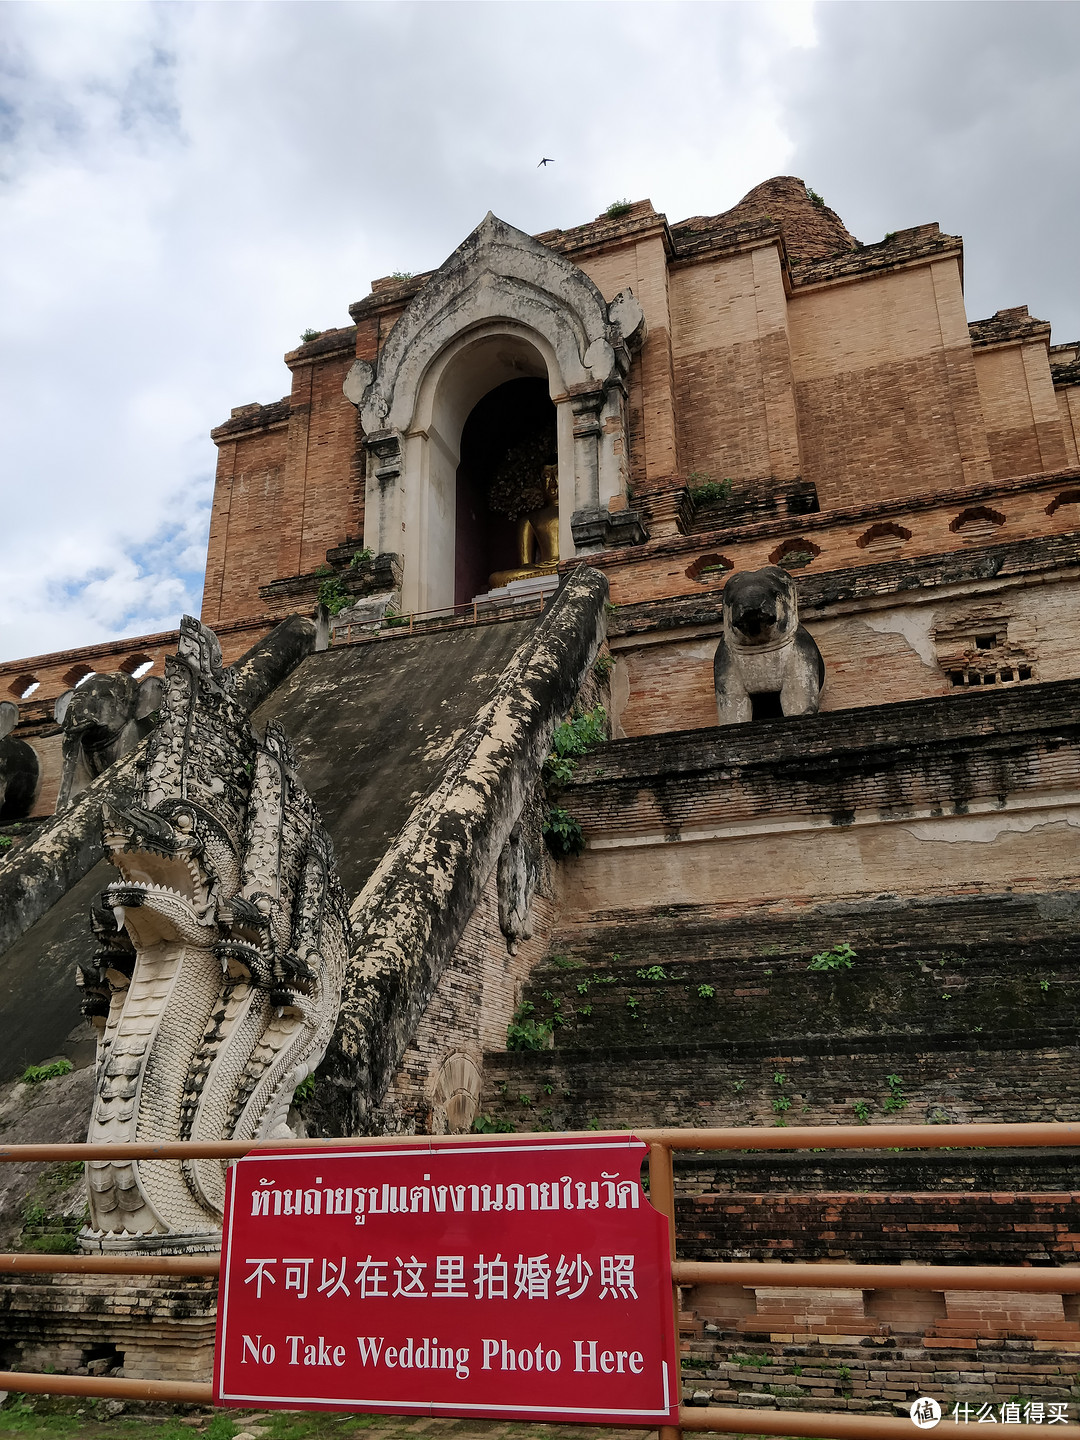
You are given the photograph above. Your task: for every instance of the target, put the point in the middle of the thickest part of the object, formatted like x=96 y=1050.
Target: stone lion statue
x=767 y=664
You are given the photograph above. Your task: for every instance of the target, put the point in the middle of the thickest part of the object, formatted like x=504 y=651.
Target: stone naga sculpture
x=19 y=767
x=767 y=664
x=222 y=948
x=103 y=718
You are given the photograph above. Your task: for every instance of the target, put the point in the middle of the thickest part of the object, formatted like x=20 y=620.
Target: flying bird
x=547 y=160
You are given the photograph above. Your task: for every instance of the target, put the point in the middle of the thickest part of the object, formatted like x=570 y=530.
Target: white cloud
x=961 y=113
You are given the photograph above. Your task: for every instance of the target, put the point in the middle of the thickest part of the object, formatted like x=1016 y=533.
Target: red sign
x=521 y=1278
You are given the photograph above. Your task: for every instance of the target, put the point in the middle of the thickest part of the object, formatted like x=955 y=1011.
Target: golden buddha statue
x=536 y=536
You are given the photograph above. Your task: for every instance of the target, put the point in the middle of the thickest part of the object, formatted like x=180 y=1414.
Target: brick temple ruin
x=515 y=488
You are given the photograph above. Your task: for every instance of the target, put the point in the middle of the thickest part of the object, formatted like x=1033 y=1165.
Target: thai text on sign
x=516 y=1278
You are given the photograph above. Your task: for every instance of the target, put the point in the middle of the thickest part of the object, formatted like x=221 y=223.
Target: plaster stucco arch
x=500 y=287
x=470 y=367
x=497 y=274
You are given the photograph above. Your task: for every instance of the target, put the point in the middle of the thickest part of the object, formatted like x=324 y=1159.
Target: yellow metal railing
x=662 y=1144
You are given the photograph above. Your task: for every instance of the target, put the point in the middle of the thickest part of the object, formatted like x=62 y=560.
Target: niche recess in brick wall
x=981 y=649
x=795 y=554
x=1067 y=497
x=883 y=539
x=708 y=569
x=978 y=522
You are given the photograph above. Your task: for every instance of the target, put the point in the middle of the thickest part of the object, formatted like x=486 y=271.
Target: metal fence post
x=662 y=1197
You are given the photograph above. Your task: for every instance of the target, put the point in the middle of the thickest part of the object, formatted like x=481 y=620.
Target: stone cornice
x=921 y=245
x=248 y=419
x=326 y=346
x=1008 y=327
x=104 y=648
x=703 y=535
x=859 y=584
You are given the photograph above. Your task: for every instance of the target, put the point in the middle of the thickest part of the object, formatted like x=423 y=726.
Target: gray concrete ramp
x=372 y=726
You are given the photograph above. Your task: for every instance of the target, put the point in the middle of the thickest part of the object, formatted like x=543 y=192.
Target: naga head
x=221 y=951
x=169 y=887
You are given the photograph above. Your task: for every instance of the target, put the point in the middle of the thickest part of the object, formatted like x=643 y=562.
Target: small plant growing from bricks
x=573 y=739
x=332 y=592
x=840 y=957
x=862 y=1112
x=781 y=1103
x=485 y=1125
x=896 y=1099
x=795 y=559
x=306 y=336
x=603 y=666
x=652 y=972
x=704 y=490
x=526 y=1032
x=618 y=208
x=706 y=992
x=562 y=833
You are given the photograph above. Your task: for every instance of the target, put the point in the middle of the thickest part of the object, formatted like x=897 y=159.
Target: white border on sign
x=435 y=1406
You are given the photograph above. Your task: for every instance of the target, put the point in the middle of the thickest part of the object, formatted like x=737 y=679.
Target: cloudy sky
x=184 y=188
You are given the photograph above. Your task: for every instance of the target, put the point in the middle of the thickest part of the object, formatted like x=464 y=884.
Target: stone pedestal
x=143 y=1327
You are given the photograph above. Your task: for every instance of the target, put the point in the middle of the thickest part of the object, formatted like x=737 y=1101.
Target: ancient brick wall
x=924 y=1227
x=323 y=490
x=885 y=387
x=244 y=520
x=906 y=650
x=731 y=1084
x=289 y=484
x=640 y=264
x=721 y=534
x=915 y=798
x=733 y=370
x=1023 y=424
x=470 y=1010
x=1068 y=403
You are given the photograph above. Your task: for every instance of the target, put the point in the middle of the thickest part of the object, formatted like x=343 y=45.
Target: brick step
x=1007 y=990
x=890 y=1228
x=966 y=925
x=726 y=1173
x=821 y=1082
x=882 y=1372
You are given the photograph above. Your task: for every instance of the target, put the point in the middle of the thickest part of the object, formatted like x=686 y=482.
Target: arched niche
x=502 y=306
x=467 y=370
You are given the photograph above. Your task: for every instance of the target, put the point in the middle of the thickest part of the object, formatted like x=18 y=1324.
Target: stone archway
x=501 y=306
